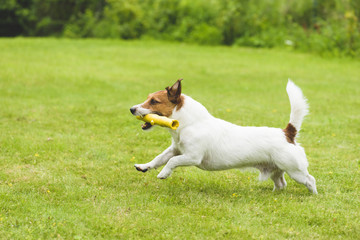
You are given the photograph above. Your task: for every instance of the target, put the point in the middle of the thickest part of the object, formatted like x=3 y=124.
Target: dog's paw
x=141 y=167
x=164 y=174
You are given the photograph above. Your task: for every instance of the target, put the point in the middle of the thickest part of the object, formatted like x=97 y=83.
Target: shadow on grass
x=209 y=188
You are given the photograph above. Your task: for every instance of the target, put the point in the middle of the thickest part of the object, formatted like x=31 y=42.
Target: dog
x=213 y=144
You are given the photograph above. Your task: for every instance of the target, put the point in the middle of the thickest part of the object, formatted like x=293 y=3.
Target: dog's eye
x=153 y=102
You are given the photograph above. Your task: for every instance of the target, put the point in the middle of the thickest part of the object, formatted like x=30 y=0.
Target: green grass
x=68 y=142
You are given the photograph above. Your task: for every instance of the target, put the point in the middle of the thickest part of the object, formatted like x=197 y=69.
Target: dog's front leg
x=180 y=160
x=158 y=161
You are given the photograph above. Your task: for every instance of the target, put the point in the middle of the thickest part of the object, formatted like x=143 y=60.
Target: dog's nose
x=132 y=110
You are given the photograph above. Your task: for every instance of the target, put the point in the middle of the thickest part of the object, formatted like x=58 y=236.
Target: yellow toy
x=160 y=120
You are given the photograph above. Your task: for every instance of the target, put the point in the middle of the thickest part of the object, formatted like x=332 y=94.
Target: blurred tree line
x=329 y=27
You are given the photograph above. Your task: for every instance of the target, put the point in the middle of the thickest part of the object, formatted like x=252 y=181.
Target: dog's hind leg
x=272 y=171
x=304 y=178
x=265 y=171
x=158 y=161
x=279 y=181
x=294 y=163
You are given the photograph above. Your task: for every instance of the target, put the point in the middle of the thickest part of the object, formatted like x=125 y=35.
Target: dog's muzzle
x=133 y=110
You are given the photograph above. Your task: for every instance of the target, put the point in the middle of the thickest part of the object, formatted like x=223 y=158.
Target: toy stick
x=160 y=120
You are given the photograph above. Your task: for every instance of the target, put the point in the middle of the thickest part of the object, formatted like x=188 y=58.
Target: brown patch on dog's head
x=174 y=92
x=290 y=133
x=164 y=102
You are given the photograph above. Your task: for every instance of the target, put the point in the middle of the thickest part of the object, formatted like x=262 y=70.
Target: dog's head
x=162 y=103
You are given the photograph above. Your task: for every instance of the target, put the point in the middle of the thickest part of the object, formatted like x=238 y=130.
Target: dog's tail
x=299 y=109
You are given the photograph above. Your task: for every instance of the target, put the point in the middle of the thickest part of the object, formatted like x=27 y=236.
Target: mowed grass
x=68 y=142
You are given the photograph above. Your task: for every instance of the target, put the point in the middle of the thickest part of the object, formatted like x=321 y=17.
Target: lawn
x=68 y=142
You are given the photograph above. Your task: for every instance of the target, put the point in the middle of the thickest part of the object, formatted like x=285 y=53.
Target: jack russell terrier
x=212 y=144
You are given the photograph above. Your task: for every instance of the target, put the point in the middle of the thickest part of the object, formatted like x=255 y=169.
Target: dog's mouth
x=146 y=126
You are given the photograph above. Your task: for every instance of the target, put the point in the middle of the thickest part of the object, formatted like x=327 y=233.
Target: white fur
x=210 y=143
x=140 y=111
x=299 y=106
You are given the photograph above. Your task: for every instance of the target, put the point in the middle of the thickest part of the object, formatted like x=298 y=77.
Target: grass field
x=68 y=142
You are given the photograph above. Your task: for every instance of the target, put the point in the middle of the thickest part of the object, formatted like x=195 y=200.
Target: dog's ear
x=174 y=92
